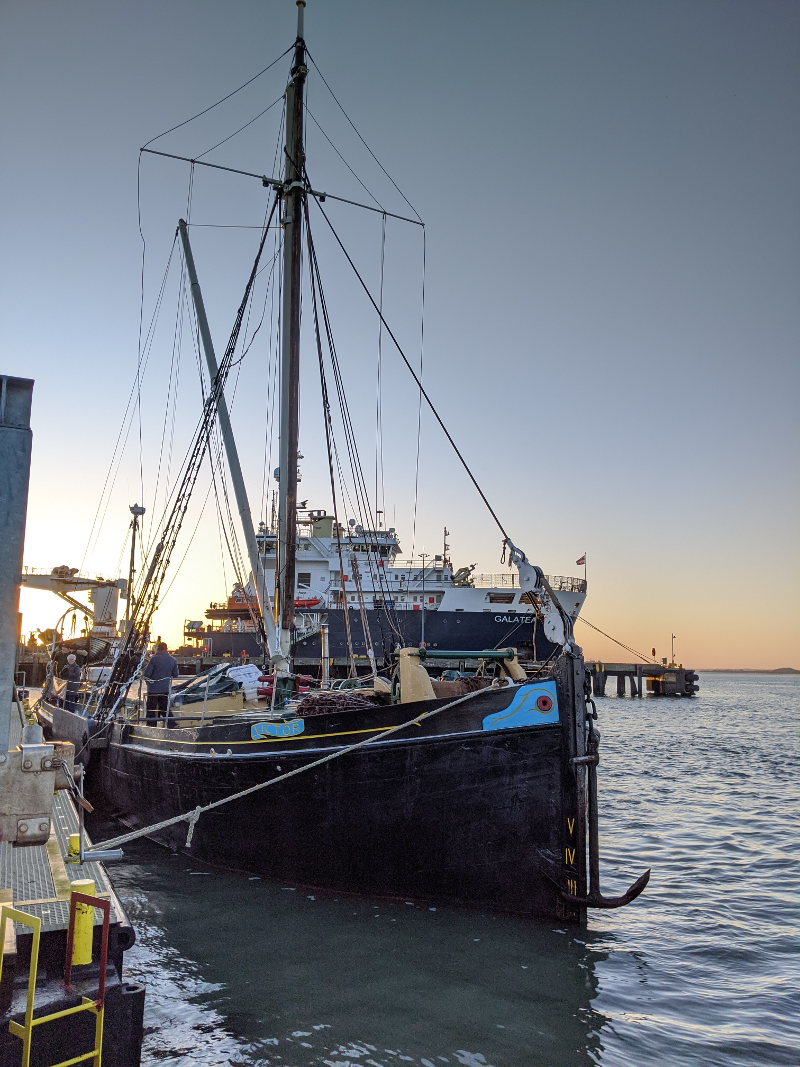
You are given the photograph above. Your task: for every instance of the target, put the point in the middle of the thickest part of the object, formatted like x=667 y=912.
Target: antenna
x=300 y=9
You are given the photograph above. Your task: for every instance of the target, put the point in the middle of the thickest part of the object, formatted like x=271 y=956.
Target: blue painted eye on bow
x=532 y=705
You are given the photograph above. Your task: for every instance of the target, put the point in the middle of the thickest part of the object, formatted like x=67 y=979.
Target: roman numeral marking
x=571 y=825
x=572 y=887
x=569 y=854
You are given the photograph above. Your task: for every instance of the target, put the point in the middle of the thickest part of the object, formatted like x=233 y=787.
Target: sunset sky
x=611 y=320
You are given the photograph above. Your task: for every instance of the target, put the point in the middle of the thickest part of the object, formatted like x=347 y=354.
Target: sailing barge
x=469 y=790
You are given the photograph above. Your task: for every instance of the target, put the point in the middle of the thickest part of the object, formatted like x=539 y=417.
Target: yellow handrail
x=25 y=1031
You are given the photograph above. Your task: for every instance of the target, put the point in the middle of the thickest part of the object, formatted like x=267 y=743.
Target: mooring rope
x=621 y=644
x=192 y=816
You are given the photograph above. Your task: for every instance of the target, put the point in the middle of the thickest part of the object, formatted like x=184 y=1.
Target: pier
x=658 y=680
x=46 y=985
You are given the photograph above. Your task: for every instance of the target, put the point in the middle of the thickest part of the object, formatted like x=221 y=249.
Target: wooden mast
x=293 y=195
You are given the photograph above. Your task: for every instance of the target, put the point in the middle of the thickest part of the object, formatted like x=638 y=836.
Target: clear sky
x=610 y=192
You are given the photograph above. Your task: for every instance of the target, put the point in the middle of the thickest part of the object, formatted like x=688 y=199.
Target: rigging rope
x=385 y=171
x=419 y=404
x=147 y=600
x=221 y=101
x=328 y=434
x=250 y=123
x=174 y=374
x=647 y=659
x=379 y=397
x=141 y=367
x=403 y=356
x=362 y=508
x=339 y=154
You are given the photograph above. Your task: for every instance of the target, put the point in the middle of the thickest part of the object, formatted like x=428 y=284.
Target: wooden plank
x=58 y=869
x=10 y=940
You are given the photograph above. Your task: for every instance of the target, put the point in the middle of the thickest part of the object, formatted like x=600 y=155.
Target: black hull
x=447 y=811
x=444 y=630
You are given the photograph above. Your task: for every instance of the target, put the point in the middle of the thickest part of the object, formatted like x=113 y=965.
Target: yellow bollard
x=74 y=845
x=84 y=922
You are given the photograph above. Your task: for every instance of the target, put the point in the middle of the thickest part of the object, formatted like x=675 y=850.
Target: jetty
x=665 y=680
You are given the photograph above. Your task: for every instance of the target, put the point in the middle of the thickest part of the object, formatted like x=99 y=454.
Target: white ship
x=391 y=602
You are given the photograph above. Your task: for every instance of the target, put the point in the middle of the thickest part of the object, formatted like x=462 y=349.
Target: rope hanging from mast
x=361 y=491
x=413 y=373
x=135 y=641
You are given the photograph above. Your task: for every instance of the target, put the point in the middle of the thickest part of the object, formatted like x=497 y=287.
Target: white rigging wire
x=419 y=401
x=127 y=421
x=379 y=478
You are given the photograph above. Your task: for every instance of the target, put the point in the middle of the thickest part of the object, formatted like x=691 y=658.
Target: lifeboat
x=310 y=602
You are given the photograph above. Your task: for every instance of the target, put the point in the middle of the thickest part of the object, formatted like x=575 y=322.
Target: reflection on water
x=698 y=971
x=243 y=971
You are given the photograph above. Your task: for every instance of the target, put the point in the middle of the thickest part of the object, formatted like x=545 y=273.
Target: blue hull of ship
x=444 y=630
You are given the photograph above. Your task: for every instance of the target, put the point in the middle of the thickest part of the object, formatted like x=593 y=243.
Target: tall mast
x=294 y=182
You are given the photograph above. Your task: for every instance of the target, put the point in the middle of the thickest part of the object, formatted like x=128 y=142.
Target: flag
x=581 y=562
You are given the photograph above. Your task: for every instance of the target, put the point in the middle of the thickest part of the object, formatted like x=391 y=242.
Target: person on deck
x=72 y=672
x=158 y=674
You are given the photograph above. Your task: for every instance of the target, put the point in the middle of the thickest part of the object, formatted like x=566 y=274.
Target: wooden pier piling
x=659 y=680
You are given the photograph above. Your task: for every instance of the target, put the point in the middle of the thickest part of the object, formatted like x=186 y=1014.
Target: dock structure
x=63 y=931
x=657 y=679
x=37 y=882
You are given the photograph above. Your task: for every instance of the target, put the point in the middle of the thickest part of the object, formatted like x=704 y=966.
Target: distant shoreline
x=746 y=670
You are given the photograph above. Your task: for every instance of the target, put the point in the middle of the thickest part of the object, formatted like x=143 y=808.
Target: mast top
x=300 y=9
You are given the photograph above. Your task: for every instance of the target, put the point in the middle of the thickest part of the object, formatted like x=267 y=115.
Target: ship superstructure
x=386 y=586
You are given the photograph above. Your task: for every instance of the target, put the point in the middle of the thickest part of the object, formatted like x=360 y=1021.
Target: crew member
x=72 y=672
x=158 y=674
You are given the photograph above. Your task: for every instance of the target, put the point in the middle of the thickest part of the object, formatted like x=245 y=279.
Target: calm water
x=702 y=969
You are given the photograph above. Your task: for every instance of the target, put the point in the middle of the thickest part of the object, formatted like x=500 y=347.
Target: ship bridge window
x=304 y=578
x=501 y=598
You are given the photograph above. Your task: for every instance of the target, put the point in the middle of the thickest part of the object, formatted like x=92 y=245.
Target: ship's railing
x=507 y=580
x=559 y=583
x=416 y=564
x=194 y=628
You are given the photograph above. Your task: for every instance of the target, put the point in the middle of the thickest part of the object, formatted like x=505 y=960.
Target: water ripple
x=701 y=970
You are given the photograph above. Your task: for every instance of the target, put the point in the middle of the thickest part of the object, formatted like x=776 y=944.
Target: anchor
x=595 y=898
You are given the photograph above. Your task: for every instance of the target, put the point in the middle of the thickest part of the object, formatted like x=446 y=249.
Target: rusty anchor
x=595 y=899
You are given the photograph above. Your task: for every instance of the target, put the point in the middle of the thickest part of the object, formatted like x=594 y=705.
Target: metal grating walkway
x=38 y=875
